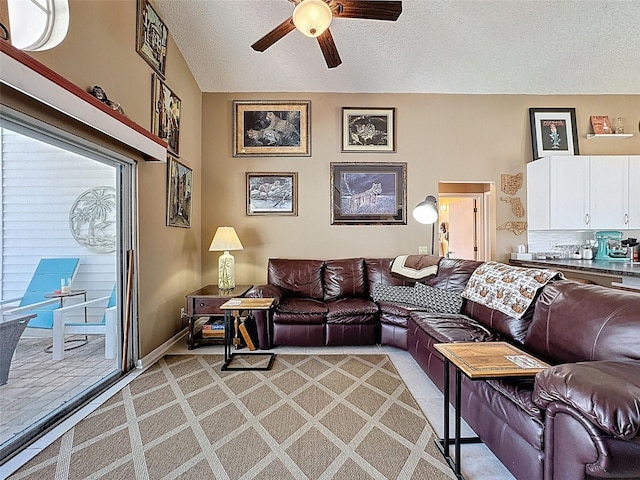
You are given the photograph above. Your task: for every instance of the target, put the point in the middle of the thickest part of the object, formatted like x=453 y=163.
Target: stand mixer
x=610 y=246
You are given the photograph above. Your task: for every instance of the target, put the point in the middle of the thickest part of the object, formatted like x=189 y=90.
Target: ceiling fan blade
x=368 y=9
x=274 y=35
x=329 y=49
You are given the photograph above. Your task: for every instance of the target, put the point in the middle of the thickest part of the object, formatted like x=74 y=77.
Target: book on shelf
x=601 y=124
x=213 y=330
x=249 y=332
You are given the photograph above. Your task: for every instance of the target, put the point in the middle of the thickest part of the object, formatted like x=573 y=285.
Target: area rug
x=310 y=417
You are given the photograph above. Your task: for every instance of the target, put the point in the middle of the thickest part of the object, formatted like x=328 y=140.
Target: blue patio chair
x=45 y=280
x=108 y=326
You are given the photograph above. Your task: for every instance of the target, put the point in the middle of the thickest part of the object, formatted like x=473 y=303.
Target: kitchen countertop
x=596 y=266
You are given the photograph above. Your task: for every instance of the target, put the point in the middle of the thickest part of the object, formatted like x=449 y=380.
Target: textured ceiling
x=436 y=46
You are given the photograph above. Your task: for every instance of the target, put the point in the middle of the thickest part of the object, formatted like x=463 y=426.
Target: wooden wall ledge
x=25 y=74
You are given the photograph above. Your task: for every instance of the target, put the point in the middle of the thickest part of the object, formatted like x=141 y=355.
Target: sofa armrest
x=606 y=392
x=267 y=291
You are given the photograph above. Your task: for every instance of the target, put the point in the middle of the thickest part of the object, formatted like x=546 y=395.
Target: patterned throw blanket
x=506 y=288
x=415 y=267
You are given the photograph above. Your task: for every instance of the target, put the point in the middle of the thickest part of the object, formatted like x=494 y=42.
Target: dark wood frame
x=253 y=209
x=164 y=100
x=382 y=141
x=563 y=117
x=154 y=55
x=178 y=197
x=369 y=207
x=253 y=116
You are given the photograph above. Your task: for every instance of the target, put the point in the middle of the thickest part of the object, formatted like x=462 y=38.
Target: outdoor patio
x=38 y=385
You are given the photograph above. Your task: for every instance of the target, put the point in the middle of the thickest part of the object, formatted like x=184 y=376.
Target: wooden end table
x=478 y=361
x=232 y=310
x=206 y=302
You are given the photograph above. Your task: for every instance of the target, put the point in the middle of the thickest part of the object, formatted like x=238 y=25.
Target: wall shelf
x=609 y=135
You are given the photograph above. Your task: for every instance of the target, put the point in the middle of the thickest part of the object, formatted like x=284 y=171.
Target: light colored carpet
x=311 y=417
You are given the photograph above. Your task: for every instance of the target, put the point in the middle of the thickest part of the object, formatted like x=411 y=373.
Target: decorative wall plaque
x=516 y=205
x=515 y=227
x=511 y=183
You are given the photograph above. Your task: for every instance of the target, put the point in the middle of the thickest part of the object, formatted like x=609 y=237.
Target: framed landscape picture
x=271 y=129
x=272 y=193
x=151 y=37
x=368 y=129
x=368 y=193
x=553 y=132
x=179 y=183
x=165 y=117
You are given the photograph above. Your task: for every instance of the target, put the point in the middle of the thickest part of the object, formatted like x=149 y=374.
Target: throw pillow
x=437 y=299
x=393 y=293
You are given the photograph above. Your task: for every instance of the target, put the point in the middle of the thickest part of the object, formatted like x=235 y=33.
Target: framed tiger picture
x=368 y=193
x=368 y=130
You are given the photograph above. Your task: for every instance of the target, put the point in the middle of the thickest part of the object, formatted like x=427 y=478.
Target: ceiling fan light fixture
x=312 y=17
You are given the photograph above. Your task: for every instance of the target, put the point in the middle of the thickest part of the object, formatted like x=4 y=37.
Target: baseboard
x=159 y=352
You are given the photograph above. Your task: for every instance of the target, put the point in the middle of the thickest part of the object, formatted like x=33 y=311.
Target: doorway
x=465 y=213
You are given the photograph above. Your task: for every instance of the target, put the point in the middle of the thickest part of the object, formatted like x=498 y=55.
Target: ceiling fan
x=312 y=18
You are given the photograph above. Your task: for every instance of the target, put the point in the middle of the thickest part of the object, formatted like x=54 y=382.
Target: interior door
x=462 y=229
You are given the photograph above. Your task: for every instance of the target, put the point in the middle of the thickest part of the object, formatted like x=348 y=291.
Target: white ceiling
x=436 y=46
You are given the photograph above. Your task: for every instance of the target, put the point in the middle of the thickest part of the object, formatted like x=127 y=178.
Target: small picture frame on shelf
x=553 y=132
x=272 y=193
x=601 y=124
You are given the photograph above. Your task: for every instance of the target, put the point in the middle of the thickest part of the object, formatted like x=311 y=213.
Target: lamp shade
x=426 y=211
x=225 y=239
x=312 y=17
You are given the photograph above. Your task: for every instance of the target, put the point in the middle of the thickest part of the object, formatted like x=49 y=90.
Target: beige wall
x=100 y=50
x=441 y=137
x=458 y=138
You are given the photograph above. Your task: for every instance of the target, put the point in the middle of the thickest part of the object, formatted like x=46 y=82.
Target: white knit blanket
x=506 y=288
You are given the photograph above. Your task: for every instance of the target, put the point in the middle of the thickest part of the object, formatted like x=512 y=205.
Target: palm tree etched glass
x=224 y=240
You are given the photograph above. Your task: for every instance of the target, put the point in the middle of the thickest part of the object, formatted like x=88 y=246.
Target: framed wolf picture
x=368 y=193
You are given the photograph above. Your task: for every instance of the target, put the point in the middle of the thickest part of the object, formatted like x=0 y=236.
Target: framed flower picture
x=553 y=132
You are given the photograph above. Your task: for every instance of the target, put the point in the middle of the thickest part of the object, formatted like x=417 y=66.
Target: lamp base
x=226 y=272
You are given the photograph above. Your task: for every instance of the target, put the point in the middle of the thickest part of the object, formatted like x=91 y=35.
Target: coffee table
x=478 y=361
x=232 y=309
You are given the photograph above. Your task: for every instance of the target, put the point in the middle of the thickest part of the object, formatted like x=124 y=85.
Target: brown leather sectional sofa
x=579 y=419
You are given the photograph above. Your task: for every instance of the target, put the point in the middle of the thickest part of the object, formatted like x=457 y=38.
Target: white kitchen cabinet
x=581 y=192
x=634 y=192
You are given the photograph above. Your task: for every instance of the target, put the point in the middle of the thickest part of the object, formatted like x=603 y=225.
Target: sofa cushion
x=453 y=274
x=352 y=310
x=300 y=311
x=393 y=293
x=452 y=327
x=575 y=322
x=437 y=299
x=379 y=271
x=510 y=327
x=298 y=278
x=520 y=392
x=344 y=278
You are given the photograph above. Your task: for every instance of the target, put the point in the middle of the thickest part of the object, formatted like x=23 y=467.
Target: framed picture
x=165 y=118
x=368 y=193
x=368 y=129
x=553 y=132
x=179 y=183
x=151 y=37
x=272 y=193
x=271 y=129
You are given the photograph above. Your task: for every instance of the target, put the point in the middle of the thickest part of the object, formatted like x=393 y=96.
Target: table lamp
x=426 y=212
x=224 y=240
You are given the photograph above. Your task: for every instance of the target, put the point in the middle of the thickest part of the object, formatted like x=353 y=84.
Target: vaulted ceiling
x=435 y=46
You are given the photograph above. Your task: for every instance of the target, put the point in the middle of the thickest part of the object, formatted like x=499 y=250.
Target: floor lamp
x=426 y=212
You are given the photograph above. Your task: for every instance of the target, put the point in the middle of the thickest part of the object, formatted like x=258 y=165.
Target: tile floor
x=478 y=461
x=38 y=385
